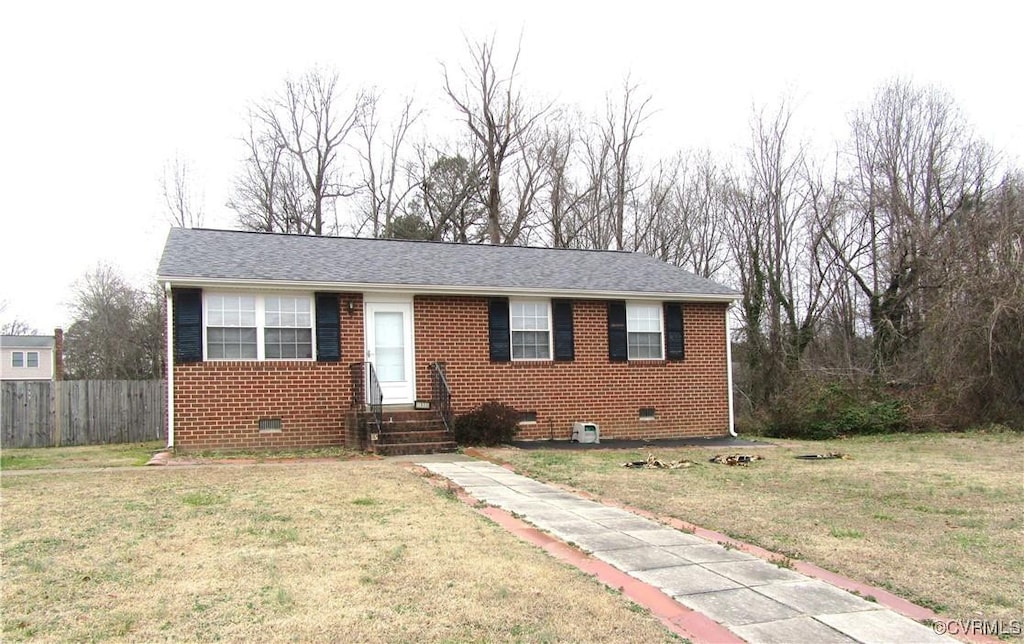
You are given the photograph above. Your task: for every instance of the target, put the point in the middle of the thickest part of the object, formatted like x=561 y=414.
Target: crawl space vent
x=270 y=424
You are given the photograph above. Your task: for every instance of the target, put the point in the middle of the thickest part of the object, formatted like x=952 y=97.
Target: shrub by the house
x=492 y=423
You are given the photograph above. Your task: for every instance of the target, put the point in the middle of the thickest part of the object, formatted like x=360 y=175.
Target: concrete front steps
x=406 y=431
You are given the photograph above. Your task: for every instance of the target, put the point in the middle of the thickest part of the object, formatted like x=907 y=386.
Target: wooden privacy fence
x=81 y=412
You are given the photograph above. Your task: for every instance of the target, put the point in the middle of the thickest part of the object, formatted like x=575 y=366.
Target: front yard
x=935 y=518
x=349 y=551
x=367 y=551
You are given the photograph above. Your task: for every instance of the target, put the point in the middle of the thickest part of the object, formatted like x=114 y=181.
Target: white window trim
x=261 y=318
x=19 y=354
x=28 y=359
x=550 y=330
x=661 y=329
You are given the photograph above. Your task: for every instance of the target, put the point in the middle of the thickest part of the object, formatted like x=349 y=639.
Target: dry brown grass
x=934 y=518
x=342 y=551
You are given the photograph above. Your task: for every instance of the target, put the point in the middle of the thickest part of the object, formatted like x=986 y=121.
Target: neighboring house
x=269 y=337
x=27 y=357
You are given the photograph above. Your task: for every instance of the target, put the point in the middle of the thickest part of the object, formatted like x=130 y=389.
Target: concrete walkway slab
x=815 y=597
x=754 y=573
x=709 y=553
x=789 y=631
x=642 y=558
x=665 y=537
x=881 y=627
x=604 y=514
x=606 y=541
x=688 y=579
x=576 y=527
x=738 y=607
x=754 y=599
x=475 y=480
x=576 y=508
x=629 y=524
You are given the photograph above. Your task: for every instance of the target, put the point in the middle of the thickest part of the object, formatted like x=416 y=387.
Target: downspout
x=728 y=368
x=170 y=364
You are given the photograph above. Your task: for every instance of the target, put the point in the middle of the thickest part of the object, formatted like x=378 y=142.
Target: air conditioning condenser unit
x=585 y=433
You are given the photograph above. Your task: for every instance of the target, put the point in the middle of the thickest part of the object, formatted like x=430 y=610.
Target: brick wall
x=690 y=397
x=219 y=404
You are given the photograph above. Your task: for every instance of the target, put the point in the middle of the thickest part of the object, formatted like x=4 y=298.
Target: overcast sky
x=99 y=96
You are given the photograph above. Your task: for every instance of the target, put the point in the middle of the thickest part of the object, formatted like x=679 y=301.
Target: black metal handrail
x=442 y=393
x=366 y=394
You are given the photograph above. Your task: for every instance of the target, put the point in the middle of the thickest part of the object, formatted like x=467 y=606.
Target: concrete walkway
x=756 y=600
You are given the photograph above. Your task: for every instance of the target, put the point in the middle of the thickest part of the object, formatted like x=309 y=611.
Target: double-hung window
x=18 y=359
x=288 y=328
x=32 y=359
x=530 y=326
x=644 y=332
x=231 y=327
x=257 y=327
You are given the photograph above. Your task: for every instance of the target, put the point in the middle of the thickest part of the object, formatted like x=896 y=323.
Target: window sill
x=257 y=360
x=641 y=362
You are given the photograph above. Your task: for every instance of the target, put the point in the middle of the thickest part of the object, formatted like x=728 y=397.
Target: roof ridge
x=438 y=242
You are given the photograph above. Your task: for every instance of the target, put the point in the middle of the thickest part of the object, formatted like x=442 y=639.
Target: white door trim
x=394 y=393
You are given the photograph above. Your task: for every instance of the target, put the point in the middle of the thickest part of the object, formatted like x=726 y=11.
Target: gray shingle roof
x=26 y=341
x=199 y=255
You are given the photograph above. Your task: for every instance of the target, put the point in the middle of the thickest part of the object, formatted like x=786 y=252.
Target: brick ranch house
x=280 y=340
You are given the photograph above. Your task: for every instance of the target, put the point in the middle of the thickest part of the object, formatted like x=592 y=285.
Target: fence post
x=55 y=411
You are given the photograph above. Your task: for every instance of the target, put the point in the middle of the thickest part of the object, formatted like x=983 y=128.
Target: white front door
x=389 y=348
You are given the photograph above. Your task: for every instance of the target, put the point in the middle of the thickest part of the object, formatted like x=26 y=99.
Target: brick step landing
x=406 y=431
x=408 y=449
x=433 y=435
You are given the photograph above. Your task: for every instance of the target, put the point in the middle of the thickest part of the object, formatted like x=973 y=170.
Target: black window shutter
x=498 y=330
x=564 y=340
x=617 y=346
x=188 y=325
x=674 y=346
x=328 y=328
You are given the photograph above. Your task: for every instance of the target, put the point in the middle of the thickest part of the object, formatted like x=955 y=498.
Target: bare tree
x=652 y=209
x=915 y=169
x=268 y=193
x=498 y=118
x=776 y=254
x=701 y=216
x=529 y=182
x=117 y=332
x=597 y=206
x=972 y=343
x=182 y=200
x=562 y=200
x=15 y=325
x=295 y=170
x=682 y=218
x=622 y=127
x=381 y=190
x=612 y=173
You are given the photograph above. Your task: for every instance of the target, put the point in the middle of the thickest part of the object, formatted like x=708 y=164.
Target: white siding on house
x=9 y=372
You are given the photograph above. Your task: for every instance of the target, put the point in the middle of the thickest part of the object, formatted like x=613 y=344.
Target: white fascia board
x=425 y=289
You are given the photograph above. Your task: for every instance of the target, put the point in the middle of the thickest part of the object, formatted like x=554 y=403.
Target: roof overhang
x=427 y=289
